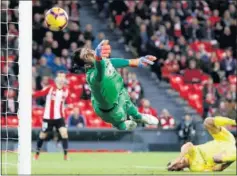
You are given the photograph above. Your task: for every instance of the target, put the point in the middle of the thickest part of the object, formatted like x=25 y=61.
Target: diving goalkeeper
x=109 y=97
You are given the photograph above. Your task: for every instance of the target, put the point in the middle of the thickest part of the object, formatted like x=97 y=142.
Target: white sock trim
x=130 y=125
x=149 y=119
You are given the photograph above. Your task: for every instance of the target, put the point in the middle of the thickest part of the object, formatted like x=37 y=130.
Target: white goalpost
x=17 y=44
x=25 y=87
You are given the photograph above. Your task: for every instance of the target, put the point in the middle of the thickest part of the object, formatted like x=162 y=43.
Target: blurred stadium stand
x=189 y=39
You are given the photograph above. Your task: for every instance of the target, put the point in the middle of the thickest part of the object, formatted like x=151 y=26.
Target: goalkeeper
x=109 y=98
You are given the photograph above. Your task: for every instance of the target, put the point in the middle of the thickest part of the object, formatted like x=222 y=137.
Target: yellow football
x=56 y=19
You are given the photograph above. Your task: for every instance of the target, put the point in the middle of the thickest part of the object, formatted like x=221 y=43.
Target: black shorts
x=48 y=124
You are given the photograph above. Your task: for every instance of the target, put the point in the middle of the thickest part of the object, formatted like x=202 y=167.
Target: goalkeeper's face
x=83 y=58
x=88 y=55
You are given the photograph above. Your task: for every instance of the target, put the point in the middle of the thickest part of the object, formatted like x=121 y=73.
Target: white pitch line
x=151 y=167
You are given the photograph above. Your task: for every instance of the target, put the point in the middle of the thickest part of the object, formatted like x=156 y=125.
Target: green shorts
x=120 y=112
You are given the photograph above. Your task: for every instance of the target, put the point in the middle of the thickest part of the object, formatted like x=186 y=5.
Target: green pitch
x=102 y=163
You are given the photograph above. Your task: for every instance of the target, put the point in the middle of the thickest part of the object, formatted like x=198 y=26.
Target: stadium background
x=194 y=76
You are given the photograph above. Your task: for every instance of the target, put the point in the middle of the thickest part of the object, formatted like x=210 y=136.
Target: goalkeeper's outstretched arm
x=138 y=62
x=103 y=50
x=87 y=58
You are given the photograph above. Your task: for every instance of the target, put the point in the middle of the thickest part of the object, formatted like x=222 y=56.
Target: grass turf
x=102 y=163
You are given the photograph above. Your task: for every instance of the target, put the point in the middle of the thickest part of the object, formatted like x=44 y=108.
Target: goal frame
x=25 y=87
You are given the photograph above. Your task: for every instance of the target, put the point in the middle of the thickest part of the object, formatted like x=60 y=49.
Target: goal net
x=16 y=86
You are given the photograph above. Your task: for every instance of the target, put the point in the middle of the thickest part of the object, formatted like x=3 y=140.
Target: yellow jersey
x=200 y=157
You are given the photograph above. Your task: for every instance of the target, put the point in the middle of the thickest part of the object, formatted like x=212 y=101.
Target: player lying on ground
x=215 y=155
x=54 y=112
x=109 y=97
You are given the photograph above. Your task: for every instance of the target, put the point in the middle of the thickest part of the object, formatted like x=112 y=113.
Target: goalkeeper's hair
x=78 y=63
x=76 y=59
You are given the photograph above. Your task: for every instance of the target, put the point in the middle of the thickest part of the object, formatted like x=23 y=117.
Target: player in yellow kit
x=215 y=155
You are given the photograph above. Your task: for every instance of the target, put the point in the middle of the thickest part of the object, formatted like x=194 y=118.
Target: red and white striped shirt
x=167 y=122
x=149 y=110
x=55 y=101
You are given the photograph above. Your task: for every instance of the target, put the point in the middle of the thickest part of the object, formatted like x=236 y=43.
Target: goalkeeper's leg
x=126 y=125
x=138 y=117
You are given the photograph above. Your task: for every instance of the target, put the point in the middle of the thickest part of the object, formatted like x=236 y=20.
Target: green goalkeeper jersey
x=105 y=82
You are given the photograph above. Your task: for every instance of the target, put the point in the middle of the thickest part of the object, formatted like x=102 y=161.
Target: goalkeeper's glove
x=142 y=61
x=103 y=50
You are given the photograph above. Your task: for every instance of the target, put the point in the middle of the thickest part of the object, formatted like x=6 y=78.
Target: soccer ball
x=56 y=19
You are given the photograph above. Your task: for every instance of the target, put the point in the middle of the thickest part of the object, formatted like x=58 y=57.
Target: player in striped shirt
x=54 y=112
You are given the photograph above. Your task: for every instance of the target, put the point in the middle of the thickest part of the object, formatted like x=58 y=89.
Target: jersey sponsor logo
x=63 y=98
x=53 y=96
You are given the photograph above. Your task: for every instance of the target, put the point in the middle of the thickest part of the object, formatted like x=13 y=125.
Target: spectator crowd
x=192 y=39
x=52 y=53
